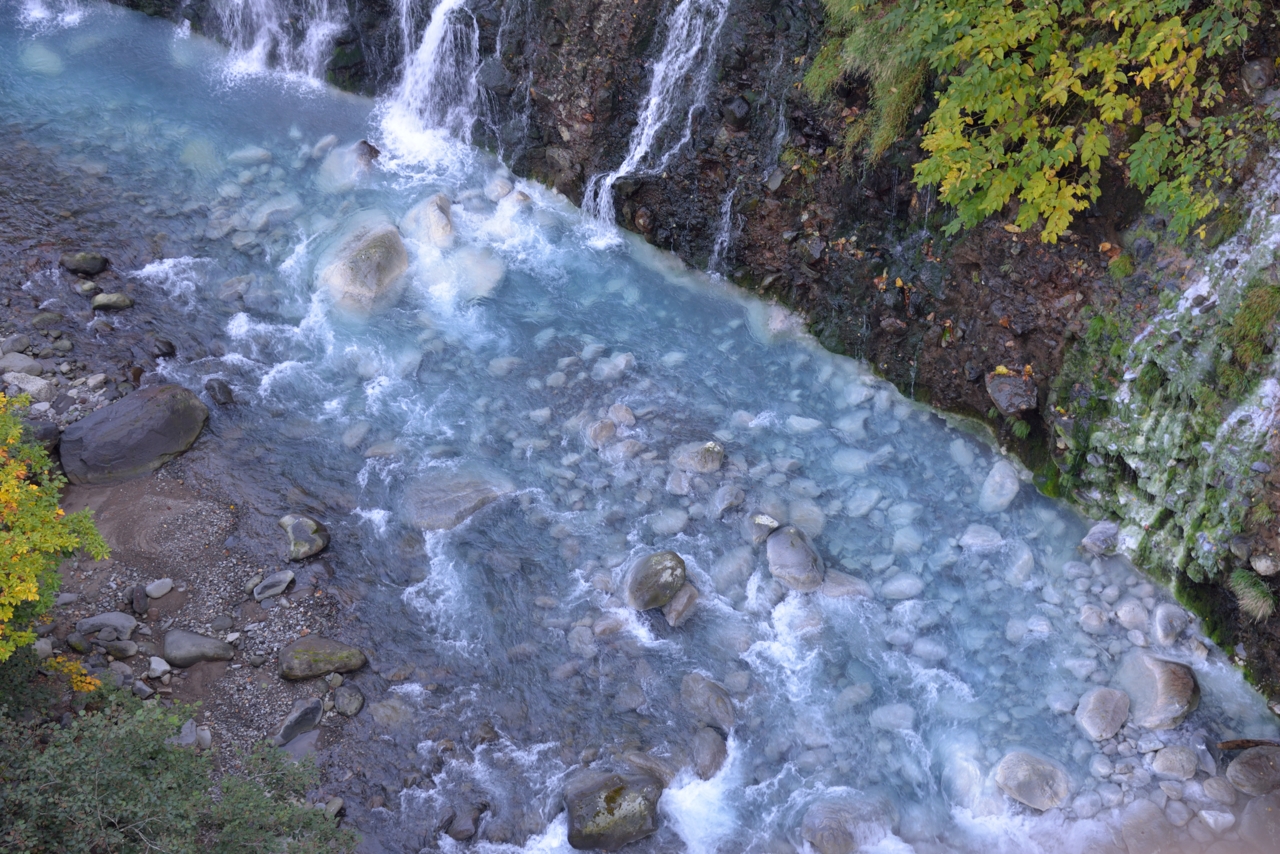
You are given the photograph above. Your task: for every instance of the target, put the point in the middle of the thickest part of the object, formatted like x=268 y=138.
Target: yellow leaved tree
x=35 y=534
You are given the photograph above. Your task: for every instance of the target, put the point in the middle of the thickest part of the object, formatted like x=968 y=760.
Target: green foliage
x=1252 y=595
x=20 y=686
x=109 y=782
x=1150 y=379
x=1121 y=267
x=35 y=535
x=1034 y=95
x=1021 y=429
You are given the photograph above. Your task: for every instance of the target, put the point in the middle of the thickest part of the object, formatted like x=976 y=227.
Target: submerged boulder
x=429 y=222
x=844 y=825
x=133 y=436
x=1256 y=771
x=654 y=580
x=608 y=811
x=1161 y=692
x=445 y=498
x=364 y=265
x=708 y=701
x=1000 y=488
x=793 y=561
x=1032 y=780
x=1101 y=712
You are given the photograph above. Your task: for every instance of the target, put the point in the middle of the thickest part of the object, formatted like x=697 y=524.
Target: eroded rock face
x=133 y=436
x=848 y=824
x=654 y=580
x=1256 y=771
x=793 y=561
x=1161 y=693
x=363 y=266
x=444 y=498
x=1032 y=780
x=608 y=811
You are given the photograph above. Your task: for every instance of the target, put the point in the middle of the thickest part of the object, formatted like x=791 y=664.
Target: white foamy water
x=559 y=380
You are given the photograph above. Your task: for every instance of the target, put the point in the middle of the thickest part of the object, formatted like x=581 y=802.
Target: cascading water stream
x=574 y=391
x=681 y=80
x=292 y=36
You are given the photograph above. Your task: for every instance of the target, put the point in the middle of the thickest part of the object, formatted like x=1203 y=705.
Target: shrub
x=1252 y=595
x=111 y=782
x=35 y=535
x=1034 y=95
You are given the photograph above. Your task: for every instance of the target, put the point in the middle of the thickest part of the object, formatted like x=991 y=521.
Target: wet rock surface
x=608 y=811
x=654 y=581
x=133 y=436
x=1032 y=780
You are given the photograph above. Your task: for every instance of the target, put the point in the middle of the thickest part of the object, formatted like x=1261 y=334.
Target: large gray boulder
x=654 y=580
x=313 y=655
x=608 y=811
x=133 y=436
x=122 y=623
x=303 y=717
x=444 y=498
x=1032 y=780
x=1256 y=771
x=363 y=267
x=183 y=648
x=844 y=825
x=793 y=561
x=1161 y=692
x=1101 y=712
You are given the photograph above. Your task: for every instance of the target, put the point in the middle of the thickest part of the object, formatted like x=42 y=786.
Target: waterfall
x=295 y=36
x=437 y=93
x=724 y=234
x=681 y=79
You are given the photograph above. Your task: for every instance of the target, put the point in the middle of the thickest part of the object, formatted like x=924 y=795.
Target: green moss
x=1150 y=379
x=1252 y=594
x=1121 y=267
x=1211 y=604
x=1048 y=479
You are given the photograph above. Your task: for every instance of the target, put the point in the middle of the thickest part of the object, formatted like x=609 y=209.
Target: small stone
x=158 y=589
x=698 y=457
x=1101 y=712
x=142 y=690
x=219 y=391
x=1256 y=771
x=306 y=536
x=79 y=643
x=157 y=668
x=111 y=302
x=348 y=700
x=332 y=807
x=1167 y=623
x=183 y=648
x=1220 y=789
x=43 y=648
x=1101 y=539
x=121 y=649
x=1093 y=619
x=1032 y=780
x=304 y=717
x=1131 y=614
x=252 y=583
x=1175 y=763
x=122 y=623
x=1219 y=821
x=1000 y=488
x=1161 y=692
x=1178 y=813
x=708 y=701
x=654 y=580
x=83 y=263
x=273 y=585
x=681 y=606
x=904 y=585
x=1012 y=393
x=793 y=561
x=709 y=752
x=139 y=600
x=842 y=585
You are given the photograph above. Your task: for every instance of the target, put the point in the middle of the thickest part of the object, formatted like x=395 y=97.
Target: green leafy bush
x=1034 y=95
x=109 y=782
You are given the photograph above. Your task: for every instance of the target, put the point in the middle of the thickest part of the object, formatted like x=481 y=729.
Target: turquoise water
x=501 y=360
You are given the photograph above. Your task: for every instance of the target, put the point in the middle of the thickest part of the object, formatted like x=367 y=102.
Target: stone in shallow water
x=607 y=811
x=793 y=561
x=444 y=498
x=83 y=263
x=893 y=717
x=698 y=457
x=844 y=825
x=307 y=537
x=1101 y=539
x=1167 y=623
x=681 y=606
x=1161 y=693
x=654 y=580
x=904 y=585
x=111 y=302
x=1260 y=822
x=709 y=752
x=708 y=701
x=1256 y=771
x=348 y=700
x=840 y=585
x=430 y=222
x=1220 y=789
x=313 y=655
x=1000 y=488
x=1176 y=762
x=1032 y=780
x=1101 y=712
x=981 y=539
x=1131 y=613
x=1145 y=829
